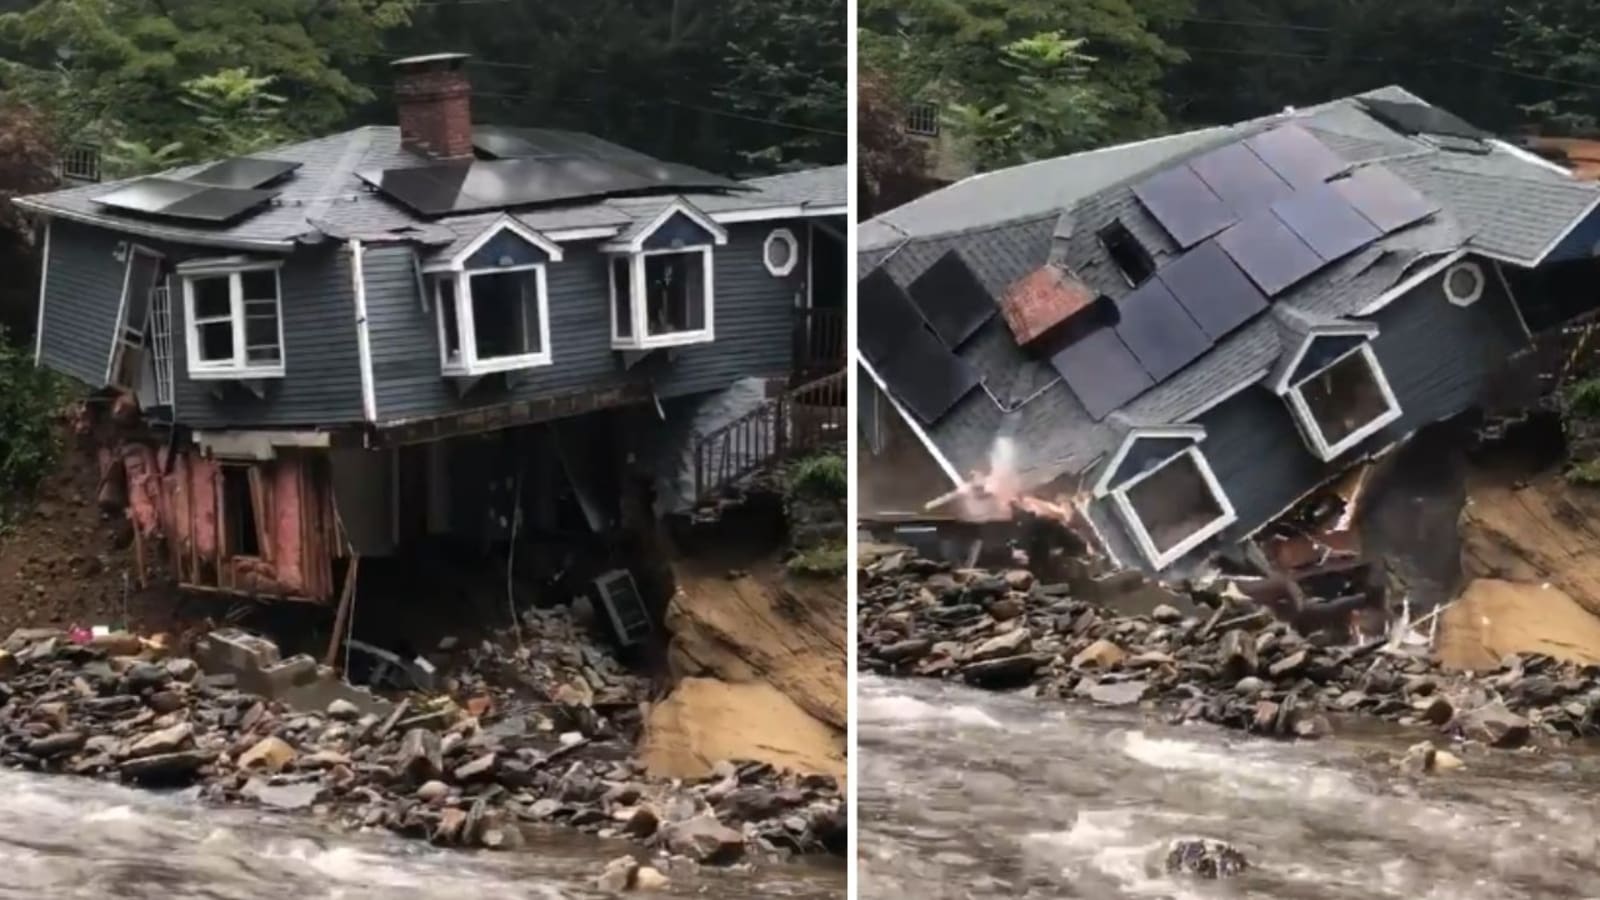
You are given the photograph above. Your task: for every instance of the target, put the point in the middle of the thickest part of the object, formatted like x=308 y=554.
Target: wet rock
x=1010 y=671
x=419 y=757
x=60 y=744
x=299 y=795
x=1437 y=710
x=1010 y=643
x=1123 y=693
x=432 y=791
x=476 y=770
x=272 y=754
x=1102 y=654
x=642 y=823
x=1167 y=614
x=704 y=840
x=165 y=741
x=142 y=676
x=1495 y=725
x=1007 y=608
x=1426 y=759
x=1205 y=859
x=166 y=768
x=1236 y=652
x=905 y=651
x=344 y=710
x=620 y=874
x=1292 y=664
x=650 y=879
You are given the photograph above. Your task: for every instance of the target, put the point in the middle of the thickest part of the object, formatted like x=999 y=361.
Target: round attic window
x=1463 y=283
x=781 y=252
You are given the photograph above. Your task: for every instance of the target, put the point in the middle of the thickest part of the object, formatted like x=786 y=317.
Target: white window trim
x=785 y=236
x=238 y=366
x=1477 y=291
x=635 y=244
x=1141 y=535
x=468 y=362
x=1312 y=432
x=640 y=339
x=134 y=252
x=458 y=262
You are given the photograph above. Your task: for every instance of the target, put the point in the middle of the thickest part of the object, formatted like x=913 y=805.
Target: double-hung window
x=662 y=291
x=233 y=310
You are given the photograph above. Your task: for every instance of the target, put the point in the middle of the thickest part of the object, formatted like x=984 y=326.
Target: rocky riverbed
x=112 y=707
x=1229 y=663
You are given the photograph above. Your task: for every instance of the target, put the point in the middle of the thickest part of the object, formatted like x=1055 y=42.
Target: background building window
x=923 y=119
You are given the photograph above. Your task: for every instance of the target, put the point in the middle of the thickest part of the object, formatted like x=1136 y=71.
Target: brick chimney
x=434 y=100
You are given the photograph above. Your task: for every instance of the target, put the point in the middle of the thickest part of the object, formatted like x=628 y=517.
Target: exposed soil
x=63 y=562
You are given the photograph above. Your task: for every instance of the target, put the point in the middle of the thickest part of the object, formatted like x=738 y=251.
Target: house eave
x=177 y=236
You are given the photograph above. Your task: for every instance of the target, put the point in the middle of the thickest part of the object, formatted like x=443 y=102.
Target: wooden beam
x=342 y=618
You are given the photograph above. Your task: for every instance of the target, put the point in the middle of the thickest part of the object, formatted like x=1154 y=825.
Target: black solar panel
x=469 y=185
x=926 y=376
x=1296 y=155
x=243 y=172
x=1101 y=372
x=1213 y=289
x=512 y=143
x=1160 y=333
x=1240 y=178
x=1384 y=198
x=170 y=198
x=1272 y=255
x=952 y=299
x=1420 y=118
x=1322 y=218
x=1184 y=206
x=884 y=314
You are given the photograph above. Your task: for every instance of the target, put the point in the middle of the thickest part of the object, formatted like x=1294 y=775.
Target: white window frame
x=1470 y=298
x=1141 y=535
x=239 y=365
x=786 y=236
x=640 y=338
x=1312 y=431
x=467 y=361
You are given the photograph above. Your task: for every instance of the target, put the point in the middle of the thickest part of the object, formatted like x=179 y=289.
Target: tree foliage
x=788 y=61
x=131 y=69
x=1044 y=106
x=27 y=163
x=890 y=163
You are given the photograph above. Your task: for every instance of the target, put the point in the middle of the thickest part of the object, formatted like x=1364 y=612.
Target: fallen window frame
x=1159 y=559
x=238 y=364
x=1313 y=431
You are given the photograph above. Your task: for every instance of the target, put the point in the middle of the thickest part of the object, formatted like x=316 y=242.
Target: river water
x=65 y=838
x=966 y=794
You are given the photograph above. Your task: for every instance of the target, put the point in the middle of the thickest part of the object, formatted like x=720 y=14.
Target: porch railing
x=811 y=417
x=819 y=342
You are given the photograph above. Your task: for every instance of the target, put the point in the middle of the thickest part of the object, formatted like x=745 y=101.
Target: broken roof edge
x=1135 y=434
x=928 y=443
x=149 y=230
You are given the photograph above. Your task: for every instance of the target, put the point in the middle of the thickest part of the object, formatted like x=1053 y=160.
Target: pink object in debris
x=79 y=635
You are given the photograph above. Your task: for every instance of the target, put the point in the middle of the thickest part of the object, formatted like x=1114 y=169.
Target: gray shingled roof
x=325 y=198
x=1008 y=223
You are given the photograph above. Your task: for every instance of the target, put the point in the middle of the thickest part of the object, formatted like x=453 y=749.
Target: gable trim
x=1406 y=285
x=927 y=443
x=768 y=213
x=1280 y=383
x=1103 y=485
x=1571 y=227
x=635 y=244
x=504 y=223
x=141 y=229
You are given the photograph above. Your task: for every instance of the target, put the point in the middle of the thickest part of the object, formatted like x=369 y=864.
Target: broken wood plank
x=342 y=617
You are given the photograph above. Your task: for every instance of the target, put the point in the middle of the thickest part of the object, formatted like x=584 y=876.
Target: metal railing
x=811 y=417
x=819 y=341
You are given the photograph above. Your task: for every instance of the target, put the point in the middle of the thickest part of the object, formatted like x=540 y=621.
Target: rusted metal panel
x=1042 y=300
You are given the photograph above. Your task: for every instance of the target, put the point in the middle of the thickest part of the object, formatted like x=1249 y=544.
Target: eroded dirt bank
x=759 y=657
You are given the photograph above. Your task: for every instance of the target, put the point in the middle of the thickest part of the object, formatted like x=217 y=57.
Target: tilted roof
x=1504 y=203
x=325 y=199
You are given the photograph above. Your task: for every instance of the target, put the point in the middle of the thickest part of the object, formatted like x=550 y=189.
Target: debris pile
x=1233 y=664
x=80 y=706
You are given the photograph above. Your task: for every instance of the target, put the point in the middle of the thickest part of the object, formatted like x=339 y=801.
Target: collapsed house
x=1189 y=335
x=344 y=347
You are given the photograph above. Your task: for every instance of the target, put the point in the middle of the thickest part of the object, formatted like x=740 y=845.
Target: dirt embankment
x=759 y=658
x=63 y=562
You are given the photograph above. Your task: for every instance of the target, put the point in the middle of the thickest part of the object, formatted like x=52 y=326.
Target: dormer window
x=1164 y=491
x=234 y=318
x=1343 y=402
x=662 y=281
x=492 y=302
x=1130 y=257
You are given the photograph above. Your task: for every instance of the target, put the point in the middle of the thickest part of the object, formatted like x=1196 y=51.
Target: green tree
x=1557 y=44
x=1044 y=105
x=125 y=68
x=788 y=62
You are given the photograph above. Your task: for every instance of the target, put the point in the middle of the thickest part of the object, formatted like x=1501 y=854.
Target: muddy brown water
x=66 y=838
x=973 y=795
